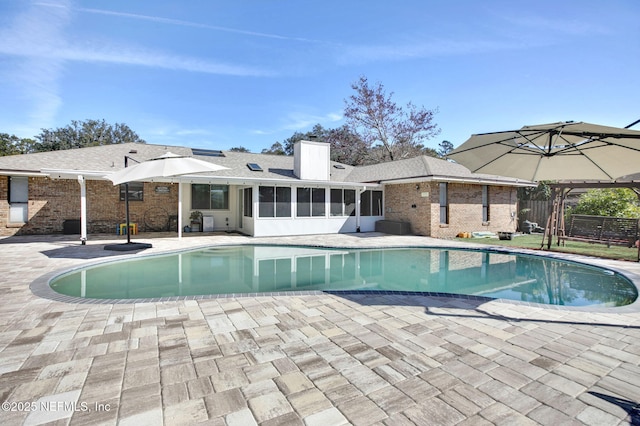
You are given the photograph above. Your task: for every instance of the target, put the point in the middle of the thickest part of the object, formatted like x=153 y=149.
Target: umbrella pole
x=126 y=203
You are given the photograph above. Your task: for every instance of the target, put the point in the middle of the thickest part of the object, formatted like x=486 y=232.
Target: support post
x=179 y=209
x=83 y=209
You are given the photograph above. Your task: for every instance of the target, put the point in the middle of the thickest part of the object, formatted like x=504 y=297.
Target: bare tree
x=379 y=121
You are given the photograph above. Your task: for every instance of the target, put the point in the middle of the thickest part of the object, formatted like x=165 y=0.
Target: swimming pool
x=261 y=269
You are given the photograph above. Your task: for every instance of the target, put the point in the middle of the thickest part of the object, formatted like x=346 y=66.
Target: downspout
x=358 y=201
x=83 y=209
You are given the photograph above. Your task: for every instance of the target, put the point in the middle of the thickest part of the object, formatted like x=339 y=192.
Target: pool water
x=268 y=269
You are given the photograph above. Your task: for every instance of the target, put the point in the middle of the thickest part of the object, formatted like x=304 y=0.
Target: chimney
x=311 y=160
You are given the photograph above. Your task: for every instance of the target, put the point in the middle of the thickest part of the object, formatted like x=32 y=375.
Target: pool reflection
x=262 y=269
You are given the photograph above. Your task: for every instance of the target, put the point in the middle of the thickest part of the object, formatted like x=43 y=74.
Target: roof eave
x=16 y=172
x=73 y=174
x=229 y=180
x=458 y=179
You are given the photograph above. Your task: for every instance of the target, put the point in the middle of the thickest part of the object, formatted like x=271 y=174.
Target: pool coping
x=41 y=286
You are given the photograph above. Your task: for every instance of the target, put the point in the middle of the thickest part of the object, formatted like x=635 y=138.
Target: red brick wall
x=51 y=202
x=4 y=203
x=405 y=203
x=420 y=206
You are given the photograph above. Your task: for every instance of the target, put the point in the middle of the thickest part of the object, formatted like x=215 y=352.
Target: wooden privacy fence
x=534 y=211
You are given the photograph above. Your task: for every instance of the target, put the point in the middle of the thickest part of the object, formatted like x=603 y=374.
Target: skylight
x=338 y=166
x=254 y=167
x=207 y=152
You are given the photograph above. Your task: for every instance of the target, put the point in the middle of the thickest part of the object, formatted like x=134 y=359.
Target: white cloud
x=132 y=56
x=58 y=49
x=500 y=32
x=260 y=132
x=36 y=45
x=193 y=132
x=302 y=121
x=298 y=121
x=36 y=77
x=419 y=48
x=178 y=22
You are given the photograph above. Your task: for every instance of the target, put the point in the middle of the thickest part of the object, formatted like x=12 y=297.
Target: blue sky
x=214 y=74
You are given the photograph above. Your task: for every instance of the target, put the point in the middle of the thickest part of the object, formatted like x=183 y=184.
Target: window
x=283 y=202
x=371 y=203
x=343 y=202
x=274 y=201
x=303 y=206
x=365 y=203
x=18 y=199
x=311 y=202
x=267 y=200
x=376 y=203
x=317 y=202
x=136 y=191
x=248 y=202
x=444 y=203
x=209 y=197
x=485 y=203
x=349 y=202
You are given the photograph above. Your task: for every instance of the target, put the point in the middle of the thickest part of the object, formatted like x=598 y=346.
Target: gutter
x=9 y=172
x=231 y=180
x=481 y=181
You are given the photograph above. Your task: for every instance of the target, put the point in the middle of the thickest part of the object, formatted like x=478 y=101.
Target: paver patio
x=318 y=359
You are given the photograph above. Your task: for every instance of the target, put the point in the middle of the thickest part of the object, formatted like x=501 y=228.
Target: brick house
x=259 y=195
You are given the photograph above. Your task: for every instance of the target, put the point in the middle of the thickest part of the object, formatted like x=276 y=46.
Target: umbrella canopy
x=165 y=166
x=556 y=151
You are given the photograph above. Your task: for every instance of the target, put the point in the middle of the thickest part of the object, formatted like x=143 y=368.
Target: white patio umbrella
x=556 y=151
x=167 y=165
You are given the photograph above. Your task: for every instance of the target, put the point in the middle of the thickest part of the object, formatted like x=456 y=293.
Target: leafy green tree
x=317 y=133
x=379 y=121
x=239 y=149
x=445 y=148
x=12 y=145
x=287 y=144
x=80 y=134
x=276 y=149
x=430 y=152
x=541 y=192
x=346 y=146
x=616 y=202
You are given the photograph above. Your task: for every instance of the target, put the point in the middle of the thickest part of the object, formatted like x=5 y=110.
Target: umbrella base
x=127 y=246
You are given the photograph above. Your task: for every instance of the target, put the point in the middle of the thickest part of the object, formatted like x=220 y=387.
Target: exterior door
x=18 y=199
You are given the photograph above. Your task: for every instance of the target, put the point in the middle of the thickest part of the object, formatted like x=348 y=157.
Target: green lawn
x=534 y=241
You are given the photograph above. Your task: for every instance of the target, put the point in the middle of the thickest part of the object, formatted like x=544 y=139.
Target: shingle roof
x=421 y=167
x=109 y=158
x=104 y=158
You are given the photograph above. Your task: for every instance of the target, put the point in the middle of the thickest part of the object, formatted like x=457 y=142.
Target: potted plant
x=196 y=221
